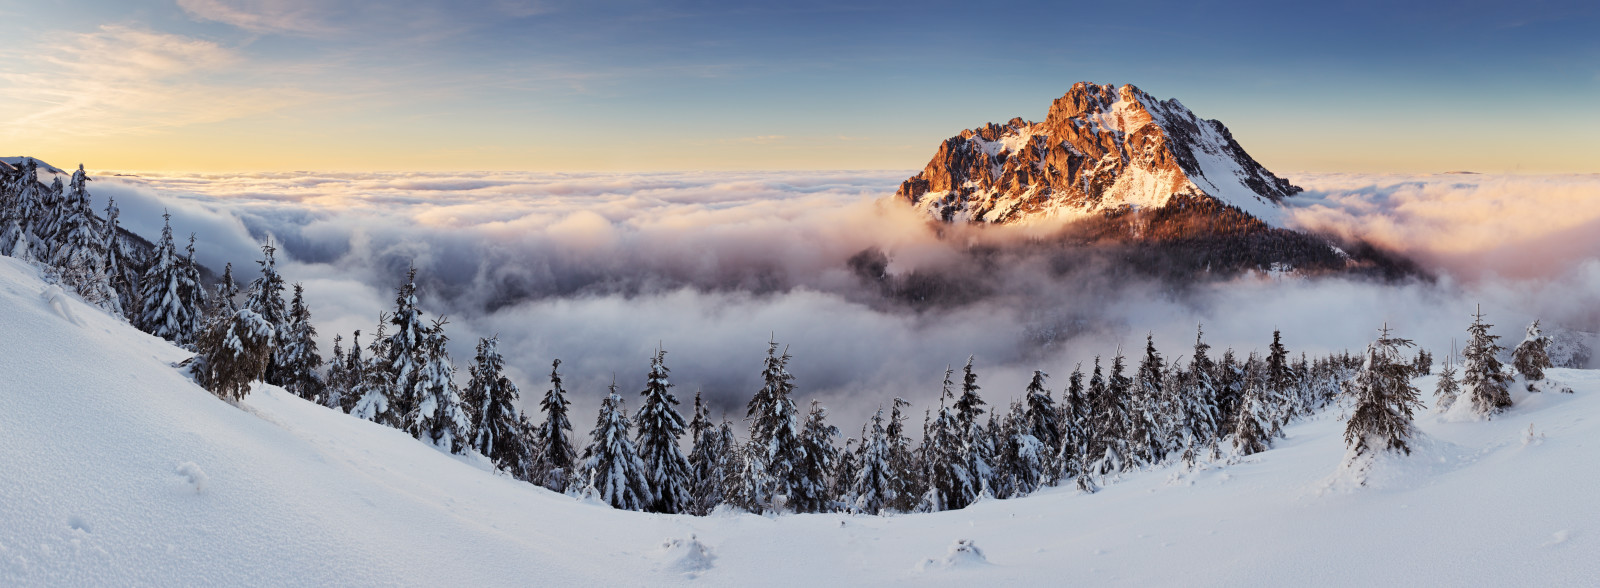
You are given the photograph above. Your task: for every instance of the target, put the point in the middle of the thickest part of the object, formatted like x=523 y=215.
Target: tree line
x=1110 y=418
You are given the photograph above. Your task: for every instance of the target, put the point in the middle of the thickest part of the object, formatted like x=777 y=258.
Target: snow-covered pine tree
x=441 y=421
x=775 y=430
x=844 y=473
x=1531 y=357
x=813 y=492
x=876 y=484
x=232 y=353
x=728 y=449
x=1447 y=390
x=496 y=428
x=1384 y=399
x=1025 y=456
x=1113 y=427
x=299 y=354
x=1071 y=456
x=404 y=355
x=19 y=239
x=1252 y=425
x=162 y=313
x=168 y=295
x=376 y=385
x=705 y=459
x=1230 y=389
x=1280 y=381
x=355 y=373
x=224 y=302
x=611 y=468
x=1201 y=426
x=80 y=251
x=660 y=426
x=556 y=454
x=336 y=384
x=119 y=263
x=951 y=484
x=265 y=297
x=977 y=446
x=1147 y=430
x=1040 y=417
x=193 y=294
x=1483 y=379
x=902 y=462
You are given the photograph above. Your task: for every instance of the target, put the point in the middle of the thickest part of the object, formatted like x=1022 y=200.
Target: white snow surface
x=117 y=470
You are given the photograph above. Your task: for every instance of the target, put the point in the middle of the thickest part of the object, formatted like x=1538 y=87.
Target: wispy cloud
x=121 y=79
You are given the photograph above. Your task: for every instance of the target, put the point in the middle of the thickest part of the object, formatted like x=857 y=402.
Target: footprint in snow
x=195 y=476
x=80 y=524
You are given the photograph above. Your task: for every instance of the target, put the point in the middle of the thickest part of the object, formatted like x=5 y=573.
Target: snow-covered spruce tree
x=48 y=222
x=1531 y=357
x=1447 y=390
x=844 y=473
x=1200 y=424
x=265 y=297
x=876 y=484
x=375 y=387
x=119 y=263
x=1483 y=379
x=1252 y=425
x=1071 y=456
x=705 y=459
x=441 y=421
x=977 y=446
x=80 y=250
x=224 y=302
x=775 y=431
x=355 y=370
x=1040 y=416
x=299 y=354
x=495 y=428
x=1147 y=430
x=170 y=299
x=951 y=484
x=1280 y=383
x=611 y=469
x=232 y=353
x=1384 y=399
x=19 y=237
x=1111 y=422
x=405 y=354
x=336 y=384
x=1230 y=390
x=820 y=456
x=729 y=451
x=554 y=448
x=1025 y=458
x=902 y=461
x=660 y=426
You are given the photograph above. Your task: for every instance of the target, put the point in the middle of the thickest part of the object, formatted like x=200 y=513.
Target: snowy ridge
x=1100 y=149
x=126 y=473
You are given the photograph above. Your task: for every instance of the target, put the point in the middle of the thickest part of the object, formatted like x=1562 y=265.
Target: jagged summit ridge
x=1100 y=148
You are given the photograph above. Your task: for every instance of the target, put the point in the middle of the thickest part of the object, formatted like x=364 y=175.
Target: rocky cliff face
x=1099 y=149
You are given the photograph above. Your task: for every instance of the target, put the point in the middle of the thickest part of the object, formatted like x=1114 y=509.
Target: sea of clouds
x=600 y=269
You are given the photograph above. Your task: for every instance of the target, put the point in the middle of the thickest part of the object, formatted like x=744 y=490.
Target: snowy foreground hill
x=116 y=469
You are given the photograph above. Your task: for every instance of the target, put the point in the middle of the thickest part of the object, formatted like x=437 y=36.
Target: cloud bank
x=599 y=269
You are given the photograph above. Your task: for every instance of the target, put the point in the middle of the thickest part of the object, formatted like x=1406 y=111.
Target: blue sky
x=508 y=84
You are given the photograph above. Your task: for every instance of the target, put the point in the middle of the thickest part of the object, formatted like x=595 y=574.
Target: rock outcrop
x=1099 y=149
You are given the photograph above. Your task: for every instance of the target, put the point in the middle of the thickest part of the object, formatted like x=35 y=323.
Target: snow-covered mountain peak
x=1100 y=148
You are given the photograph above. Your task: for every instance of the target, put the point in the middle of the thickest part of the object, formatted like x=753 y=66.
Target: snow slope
x=117 y=470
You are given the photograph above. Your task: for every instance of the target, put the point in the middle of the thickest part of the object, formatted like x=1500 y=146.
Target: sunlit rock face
x=1100 y=149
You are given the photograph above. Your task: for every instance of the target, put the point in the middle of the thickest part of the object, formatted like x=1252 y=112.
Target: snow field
x=117 y=470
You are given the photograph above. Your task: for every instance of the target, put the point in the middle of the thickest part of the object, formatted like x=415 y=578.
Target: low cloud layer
x=599 y=269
